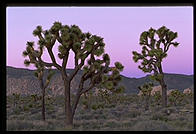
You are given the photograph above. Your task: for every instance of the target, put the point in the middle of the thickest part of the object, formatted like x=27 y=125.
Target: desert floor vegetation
x=126 y=113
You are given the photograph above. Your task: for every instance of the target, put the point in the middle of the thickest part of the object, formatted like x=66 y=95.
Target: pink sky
x=119 y=26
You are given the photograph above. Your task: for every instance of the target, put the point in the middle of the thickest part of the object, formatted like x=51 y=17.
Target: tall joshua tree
x=155 y=45
x=39 y=73
x=89 y=56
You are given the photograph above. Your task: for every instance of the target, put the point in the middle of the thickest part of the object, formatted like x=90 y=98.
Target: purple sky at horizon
x=119 y=26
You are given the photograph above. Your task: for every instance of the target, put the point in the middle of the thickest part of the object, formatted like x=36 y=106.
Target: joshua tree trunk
x=68 y=109
x=146 y=103
x=43 y=99
x=164 y=88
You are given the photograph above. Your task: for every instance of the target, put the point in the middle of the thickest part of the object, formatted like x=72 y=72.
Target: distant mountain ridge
x=23 y=81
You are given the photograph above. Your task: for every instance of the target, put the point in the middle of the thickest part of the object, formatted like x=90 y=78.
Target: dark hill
x=23 y=80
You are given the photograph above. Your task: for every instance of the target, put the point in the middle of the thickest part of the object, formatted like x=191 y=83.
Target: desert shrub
x=30 y=105
x=172 y=109
x=190 y=125
x=151 y=125
x=179 y=124
x=133 y=114
x=35 y=111
x=111 y=123
x=115 y=113
x=127 y=124
x=17 y=110
x=159 y=116
x=36 y=116
x=94 y=107
x=19 y=125
x=110 y=106
x=85 y=117
x=59 y=100
x=188 y=98
x=21 y=117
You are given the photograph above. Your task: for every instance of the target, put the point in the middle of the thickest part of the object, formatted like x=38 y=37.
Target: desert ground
x=95 y=113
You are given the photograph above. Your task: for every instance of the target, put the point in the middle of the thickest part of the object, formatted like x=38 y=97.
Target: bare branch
x=87 y=89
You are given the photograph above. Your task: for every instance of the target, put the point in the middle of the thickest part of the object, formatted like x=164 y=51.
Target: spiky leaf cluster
x=156 y=77
x=31 y=53
x=111 y=82
x=34 y=58
x=109 y=77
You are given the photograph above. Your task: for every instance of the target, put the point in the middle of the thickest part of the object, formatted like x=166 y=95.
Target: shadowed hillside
x=23 y=80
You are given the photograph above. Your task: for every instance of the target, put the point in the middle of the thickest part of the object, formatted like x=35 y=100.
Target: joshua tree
x=87 y=49
x=155 y=45
x=146 y=93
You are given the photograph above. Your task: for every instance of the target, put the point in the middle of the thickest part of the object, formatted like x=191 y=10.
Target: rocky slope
x=23 y=81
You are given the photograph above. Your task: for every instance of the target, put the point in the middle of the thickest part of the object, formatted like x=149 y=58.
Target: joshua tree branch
x=40 y=36
x=76 y=60
x=44 y=63
x=53 y=59
x=78 y=95
x=64 y=64
x=53 y=41
x=58 y=37
x=80 y=65
x=77 y=68
x=87 y=89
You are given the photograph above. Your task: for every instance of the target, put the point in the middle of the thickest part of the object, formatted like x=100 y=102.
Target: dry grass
x=123 y=117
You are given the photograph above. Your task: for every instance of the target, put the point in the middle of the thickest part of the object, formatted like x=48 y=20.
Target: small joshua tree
x=39 y=73
x=34 y=97
x=87 y=48
x=43 y=85
x=157 y=97
x=16 y=99
x=176 y=97
x=155 y=45
x=146 y=93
